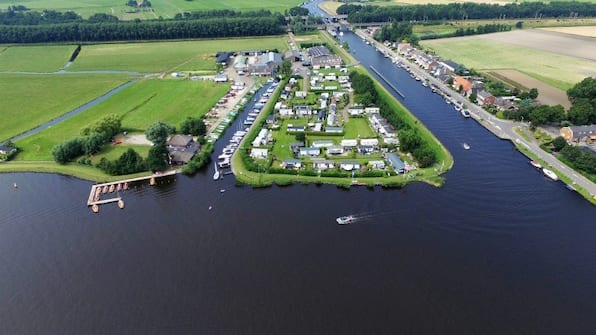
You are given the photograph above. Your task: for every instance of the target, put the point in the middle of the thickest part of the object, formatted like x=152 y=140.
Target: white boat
x=345 y=219
x=465 y=113
x=457 y=107
x=466 y=146
x=216 y=174
x=536 y=164
x=550 y=174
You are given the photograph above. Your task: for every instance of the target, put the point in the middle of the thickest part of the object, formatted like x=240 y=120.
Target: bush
x=129 y=162
x=67 y=151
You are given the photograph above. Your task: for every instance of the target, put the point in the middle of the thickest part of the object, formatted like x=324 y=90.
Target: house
x=372 y=110
x=220 y=78
x=321 y=115
x=322 y=164
x=309 y=151
x=295 y=147
x=505 y=104
x=395 y=161
x=349 y=144
x=302 y=110
x=355 y=111
x=349 y=166
x=265 y=64
x=377 y=165
x=322 y=143
x=369 y=142
x=291 y=164
x=292 y=128
x=180 y=142
x=180 y=157
x=404 y=48
x=270 y=119
x=578 y=133
x=300 y=94
x=223 y=57
x=462 y=85
x=335 y=150
x=257 y=153
x=321 y=56
x=5 y=150
x=262 y=138
x=484 y=98
x=337 y=130
x=241 y=63
x=449 y=66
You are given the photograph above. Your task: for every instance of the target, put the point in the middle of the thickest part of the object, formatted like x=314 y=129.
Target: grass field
x=163 y=8
x=27 y=101
x=165 y=56
x=139 y=105
x=47 y=58
x=557 y=70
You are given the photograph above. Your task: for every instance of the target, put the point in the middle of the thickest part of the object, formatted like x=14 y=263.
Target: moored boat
x=125 y=187
x=104 y=189
x=121 y=204
x=119 y=187
x=465 y=113
x=216 y=174
x=112 y=188
x=152 y=181
x=550 y=174
x=345 y=219
x=536 y=164
x=95 y=208
x=467 y=146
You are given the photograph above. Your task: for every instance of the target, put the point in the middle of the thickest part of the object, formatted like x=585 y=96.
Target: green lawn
x=167 y=56
x=163 y=8
x=113 y=152
x=47 y=58
x=557 y=70
x=27 y=101
x=139 y=105
x=358 y=128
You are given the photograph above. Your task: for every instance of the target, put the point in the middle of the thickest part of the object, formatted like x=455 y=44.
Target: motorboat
x=465 y=113
x=345 y=219
x=550 y=174
x=536 y=164
x=121 y=204
x=95 y=208
x=216 y=174
x=467 y=146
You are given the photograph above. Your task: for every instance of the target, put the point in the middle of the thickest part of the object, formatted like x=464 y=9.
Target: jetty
x=95 y=193
x=387 y=81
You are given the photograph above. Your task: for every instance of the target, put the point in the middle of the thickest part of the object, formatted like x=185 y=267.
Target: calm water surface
x=499 y=250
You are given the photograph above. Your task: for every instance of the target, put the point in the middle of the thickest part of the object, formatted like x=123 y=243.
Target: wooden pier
x=98 y=187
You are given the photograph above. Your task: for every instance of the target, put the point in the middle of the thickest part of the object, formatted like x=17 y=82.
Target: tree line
x=139 y=30
x=465 y=11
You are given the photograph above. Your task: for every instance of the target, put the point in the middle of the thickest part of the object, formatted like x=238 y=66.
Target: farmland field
x=47 y=58
x=139 y=105
x=163 y=8
x=164 y=56
x=498 y=51
x=27 y=101
x=589 y=31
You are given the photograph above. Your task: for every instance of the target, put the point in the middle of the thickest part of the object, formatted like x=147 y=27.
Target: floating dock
x=387 y=81
x=96 y=189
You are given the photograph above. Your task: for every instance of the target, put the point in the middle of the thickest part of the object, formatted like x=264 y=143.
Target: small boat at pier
x=104 y=189
x=95 y=208
x=125 y=186
x=119 y=187
x=112 y=188
x=152 y=181
x=550 y=174
x=536 y=164
x=121 y=204
x=465 y=113
x=345 y=219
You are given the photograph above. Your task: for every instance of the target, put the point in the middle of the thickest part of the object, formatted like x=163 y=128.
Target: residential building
x=398 y=165
x=579 y=133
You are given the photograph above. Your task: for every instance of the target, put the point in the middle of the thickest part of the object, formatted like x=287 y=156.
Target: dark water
x=498 y=250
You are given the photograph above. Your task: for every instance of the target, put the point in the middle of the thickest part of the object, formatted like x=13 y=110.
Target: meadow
x=557 y=70
x=167 y=56
x=160 y=8
x=27 y=101
x=47 y=58
x=139 y=105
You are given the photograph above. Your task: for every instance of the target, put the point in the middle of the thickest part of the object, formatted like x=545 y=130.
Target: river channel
x=499 y=249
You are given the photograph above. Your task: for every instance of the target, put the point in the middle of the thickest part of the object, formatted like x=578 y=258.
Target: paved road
x=504 y=129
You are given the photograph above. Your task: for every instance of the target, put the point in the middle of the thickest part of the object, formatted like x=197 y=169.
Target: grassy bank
x=37 y=58
x=30 y=100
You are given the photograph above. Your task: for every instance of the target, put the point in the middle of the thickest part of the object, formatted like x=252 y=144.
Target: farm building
x=321 y=56
x=265 y=64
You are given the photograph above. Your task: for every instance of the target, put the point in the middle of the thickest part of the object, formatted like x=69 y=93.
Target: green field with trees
x=164 y=56
x=138 y=106
x=30 y=100
x=157 y=8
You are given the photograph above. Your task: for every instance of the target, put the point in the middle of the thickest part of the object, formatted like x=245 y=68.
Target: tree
x=157 y=157
x=519 y=24
x=582 y=112
x=473 y=97
x=193 y=126
x=425 y=156
x=158 y=132
x=409 y=140
x=559 y=143
x=67 y=151
x=106 y=127
x=300 y=137
x=286 y=68
x=533 y=94
x=586 y=89
x=92 y=144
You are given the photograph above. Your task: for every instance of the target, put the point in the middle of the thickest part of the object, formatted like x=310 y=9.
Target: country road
x=504 y=129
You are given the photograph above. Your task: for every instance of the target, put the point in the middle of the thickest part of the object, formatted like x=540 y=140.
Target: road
x=504 y=129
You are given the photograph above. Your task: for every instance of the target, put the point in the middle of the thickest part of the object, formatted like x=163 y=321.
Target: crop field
x=163 y=8
x=27 y=101
x=139 y=105
x=486 y=53
x=167 y=56
x=47 y=58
